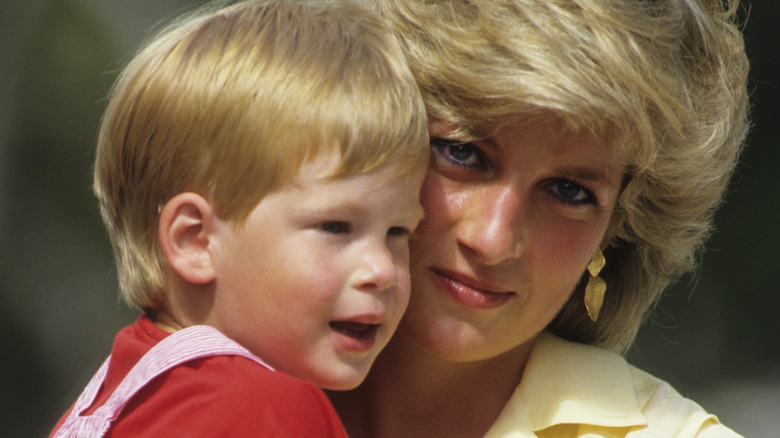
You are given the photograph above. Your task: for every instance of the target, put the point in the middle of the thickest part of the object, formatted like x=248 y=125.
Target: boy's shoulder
x=228 y=394
x=213 y=396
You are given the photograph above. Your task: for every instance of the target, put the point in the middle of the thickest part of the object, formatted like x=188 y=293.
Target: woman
x=562 y=130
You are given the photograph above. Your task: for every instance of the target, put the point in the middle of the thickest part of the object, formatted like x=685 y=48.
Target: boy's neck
x=183 y=305
x=411 y=393
x=165 y=321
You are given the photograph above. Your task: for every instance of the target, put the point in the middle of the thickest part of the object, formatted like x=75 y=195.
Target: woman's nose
x=490 y=227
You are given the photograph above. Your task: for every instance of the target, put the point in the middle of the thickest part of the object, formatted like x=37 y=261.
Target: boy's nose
x=377 y=270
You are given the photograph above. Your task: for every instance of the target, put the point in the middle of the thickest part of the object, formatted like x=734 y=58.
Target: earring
x=596 y=287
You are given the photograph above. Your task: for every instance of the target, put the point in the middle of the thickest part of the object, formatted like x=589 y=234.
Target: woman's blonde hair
x=230 y=101
x=662 y=82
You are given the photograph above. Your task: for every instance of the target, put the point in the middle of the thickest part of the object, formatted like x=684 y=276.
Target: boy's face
x=317 y=279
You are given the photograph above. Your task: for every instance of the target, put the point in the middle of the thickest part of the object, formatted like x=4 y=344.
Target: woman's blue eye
x=571 y=192
x=335 y=227
x=464 y=154
x=460 y=152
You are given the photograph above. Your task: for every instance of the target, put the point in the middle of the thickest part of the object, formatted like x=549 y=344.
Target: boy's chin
x=349 y=379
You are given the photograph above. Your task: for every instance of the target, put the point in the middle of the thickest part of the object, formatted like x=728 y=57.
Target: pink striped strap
x=192 y=343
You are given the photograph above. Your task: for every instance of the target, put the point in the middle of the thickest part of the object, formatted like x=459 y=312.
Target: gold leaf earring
x=596 y=287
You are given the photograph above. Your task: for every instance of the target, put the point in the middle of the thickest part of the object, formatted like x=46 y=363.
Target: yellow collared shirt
x=575 y=390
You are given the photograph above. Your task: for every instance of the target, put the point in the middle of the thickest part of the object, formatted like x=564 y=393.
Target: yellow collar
x=569 y=383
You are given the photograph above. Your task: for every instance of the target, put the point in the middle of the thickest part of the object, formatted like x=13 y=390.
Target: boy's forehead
x=356 y=191
x=327 y=165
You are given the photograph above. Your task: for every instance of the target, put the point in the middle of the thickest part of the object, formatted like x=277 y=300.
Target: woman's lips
x=468 y=291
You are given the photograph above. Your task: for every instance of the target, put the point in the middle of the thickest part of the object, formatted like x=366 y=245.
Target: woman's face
x=510 y=225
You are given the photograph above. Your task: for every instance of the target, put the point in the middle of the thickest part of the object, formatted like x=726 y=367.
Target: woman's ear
x=186 y=222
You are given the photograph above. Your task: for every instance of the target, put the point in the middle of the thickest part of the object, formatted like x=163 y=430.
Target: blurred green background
x=715 y=336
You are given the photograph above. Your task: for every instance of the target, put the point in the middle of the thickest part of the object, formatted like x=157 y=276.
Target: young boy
x=258 y=170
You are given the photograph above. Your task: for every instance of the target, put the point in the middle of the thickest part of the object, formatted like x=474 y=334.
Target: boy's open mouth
x=353 y=329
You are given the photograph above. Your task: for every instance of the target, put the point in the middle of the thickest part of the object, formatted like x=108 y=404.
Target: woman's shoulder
x=573 y=386
x=667 y=410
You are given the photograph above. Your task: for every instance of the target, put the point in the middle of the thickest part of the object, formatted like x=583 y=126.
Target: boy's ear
x=186 y=222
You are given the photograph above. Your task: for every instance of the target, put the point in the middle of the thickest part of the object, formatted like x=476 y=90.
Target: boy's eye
x=398 y=231
x=463 y=154
x=335 y=227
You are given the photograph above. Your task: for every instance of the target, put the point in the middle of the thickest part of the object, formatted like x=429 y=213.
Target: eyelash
x=399 y=231
x=440 y=144
x=590 y=198
x=340 y=227
x=335 y=227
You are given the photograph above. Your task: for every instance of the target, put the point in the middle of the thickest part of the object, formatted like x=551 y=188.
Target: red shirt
x=216 y=396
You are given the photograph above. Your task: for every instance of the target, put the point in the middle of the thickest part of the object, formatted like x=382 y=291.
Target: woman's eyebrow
x=591 y=174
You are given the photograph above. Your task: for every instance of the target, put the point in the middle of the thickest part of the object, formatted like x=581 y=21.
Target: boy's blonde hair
x=662 y=82
x=231 y=101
